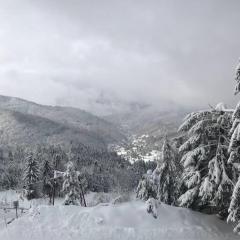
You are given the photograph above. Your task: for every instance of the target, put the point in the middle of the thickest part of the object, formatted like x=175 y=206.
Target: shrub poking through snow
x=121 y=199
x=152 y=206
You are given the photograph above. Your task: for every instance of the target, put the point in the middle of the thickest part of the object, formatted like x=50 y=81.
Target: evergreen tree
x=234 y=209
x=234 y=150
x=83 y=184
x=167 y=174
x=237 y=78
x=10 y=156
x=234 y=146
x=31 y=176
x=47 y=174
x=220 y=182
x=220 y=173
x=71 y=186
x=206 y=176
x=147 y=188
x=194 y=158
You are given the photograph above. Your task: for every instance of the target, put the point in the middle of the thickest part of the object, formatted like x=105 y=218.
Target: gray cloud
x=72 y=52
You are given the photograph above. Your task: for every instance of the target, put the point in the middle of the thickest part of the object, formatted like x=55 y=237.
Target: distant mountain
x=27 y=122
x=146 y=128
x=150 y=120
x=24 y=129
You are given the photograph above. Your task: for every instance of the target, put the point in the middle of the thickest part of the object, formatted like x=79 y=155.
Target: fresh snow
x=138 y=149
x=126 y=221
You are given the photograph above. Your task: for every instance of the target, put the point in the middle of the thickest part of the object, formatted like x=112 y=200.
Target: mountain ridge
x=93 y=128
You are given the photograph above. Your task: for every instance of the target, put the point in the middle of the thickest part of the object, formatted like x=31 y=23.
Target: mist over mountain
x=17 y=128
x=30 y=123
x=135 y=128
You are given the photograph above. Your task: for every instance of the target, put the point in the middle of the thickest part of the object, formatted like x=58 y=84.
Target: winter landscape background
x=119 y=120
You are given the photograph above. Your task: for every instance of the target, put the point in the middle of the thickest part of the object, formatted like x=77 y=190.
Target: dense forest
x=102 y=170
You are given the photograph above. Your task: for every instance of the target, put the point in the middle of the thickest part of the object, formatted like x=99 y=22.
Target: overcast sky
x=73 y=51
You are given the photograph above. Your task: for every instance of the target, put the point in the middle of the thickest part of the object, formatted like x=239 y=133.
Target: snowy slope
x=127 y=221
x=25 y=129
x=71 y=118
x=139 y=148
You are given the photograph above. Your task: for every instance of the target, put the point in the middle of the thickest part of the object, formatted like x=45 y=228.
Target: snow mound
x=221 y=107
x=127 y=221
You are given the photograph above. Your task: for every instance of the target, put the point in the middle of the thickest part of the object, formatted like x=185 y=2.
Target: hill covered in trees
x=27 y=122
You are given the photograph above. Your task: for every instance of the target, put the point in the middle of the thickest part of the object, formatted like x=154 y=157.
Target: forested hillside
x=93 y=129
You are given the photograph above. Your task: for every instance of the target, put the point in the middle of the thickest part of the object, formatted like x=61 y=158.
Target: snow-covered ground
x=138 y=149
x=125 y=221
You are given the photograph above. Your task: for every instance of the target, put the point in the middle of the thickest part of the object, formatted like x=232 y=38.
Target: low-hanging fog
x=85 y=53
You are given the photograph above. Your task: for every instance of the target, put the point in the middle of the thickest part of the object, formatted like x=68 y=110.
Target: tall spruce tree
x=234 y=209
x=167 y=175
x=147 y=187
x=219 y=180
x=206 y=176
x=237 y=78
x=234 y=146
x=162 y=183
x=31 y=176
x=71 y=185
x=234 y=150
x=47 y=175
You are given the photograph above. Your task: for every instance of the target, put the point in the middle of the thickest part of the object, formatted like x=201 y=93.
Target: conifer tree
x=206 y=177
x=71 y=186
x=234 y=146
x=47 y=174
x=31 y=176
x=237 y=78
x=220 y=173
x=234 y=150
x=167 y=174
x=195 y=157
x=234 y=209
x=147 y=188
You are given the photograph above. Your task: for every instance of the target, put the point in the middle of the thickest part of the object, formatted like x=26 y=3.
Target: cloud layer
x=73 y=52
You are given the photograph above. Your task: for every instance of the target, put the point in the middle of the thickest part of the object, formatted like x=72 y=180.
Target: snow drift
x=127 y=221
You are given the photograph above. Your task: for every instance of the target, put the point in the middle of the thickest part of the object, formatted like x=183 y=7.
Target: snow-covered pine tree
x=71 y=185
x=234 y=146
x=167 y=175
x=234 y=150
x=147 y=188
x=206 y=177
x=219 y=179
x=47 y=174
x=194 y=157
x=237 y=78
x=31 y=176
x=234 y=209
